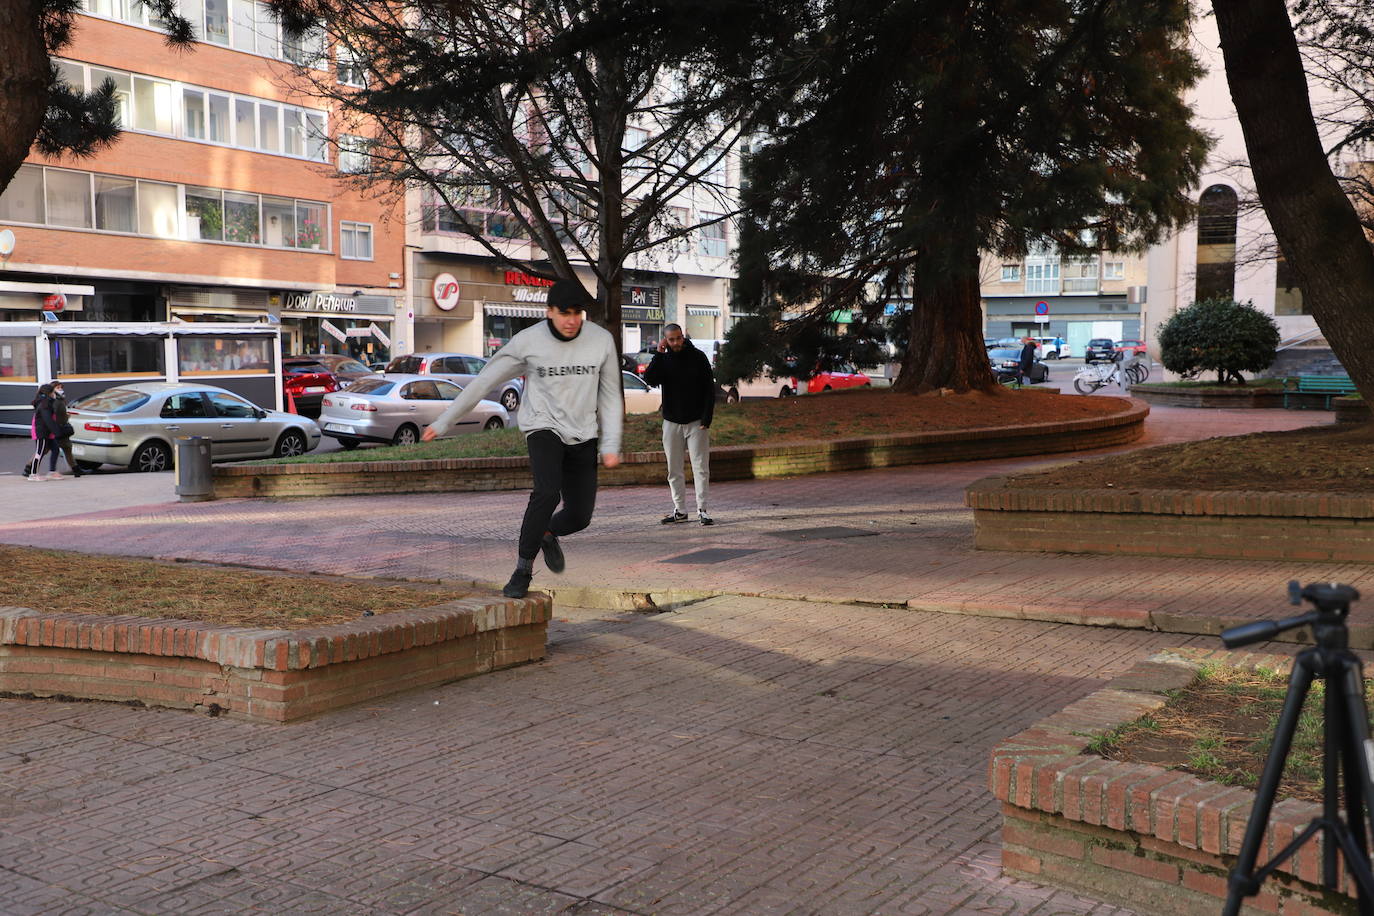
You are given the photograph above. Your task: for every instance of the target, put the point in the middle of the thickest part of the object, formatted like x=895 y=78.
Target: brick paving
x=737 y=755
x=741 y=756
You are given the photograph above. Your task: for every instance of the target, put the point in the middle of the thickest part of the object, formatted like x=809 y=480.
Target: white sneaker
x=55 y=475
x=37 y=477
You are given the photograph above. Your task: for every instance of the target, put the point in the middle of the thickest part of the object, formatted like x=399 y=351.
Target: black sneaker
x=673 y=518
x=553 y=554
x=519 y=584
x=704 y=519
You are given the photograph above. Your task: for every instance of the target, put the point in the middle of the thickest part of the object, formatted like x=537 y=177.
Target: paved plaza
x=747 y=753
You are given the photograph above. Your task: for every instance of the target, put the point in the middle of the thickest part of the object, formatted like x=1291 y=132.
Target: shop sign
x=520 y=278
x=629 y=313
x=446 y=292
x=524 y=294
x=54 y=302
x=643 y=296
x=318 y=302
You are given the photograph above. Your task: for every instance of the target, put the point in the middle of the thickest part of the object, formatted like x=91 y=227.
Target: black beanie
x=566 y=294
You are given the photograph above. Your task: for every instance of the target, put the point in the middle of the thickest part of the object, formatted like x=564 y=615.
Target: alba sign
x=446 y=291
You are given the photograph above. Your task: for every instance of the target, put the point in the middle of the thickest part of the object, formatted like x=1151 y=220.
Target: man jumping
x=573 y=404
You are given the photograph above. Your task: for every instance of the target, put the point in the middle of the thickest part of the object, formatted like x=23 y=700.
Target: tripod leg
x=1335 y=740
x=1359 y=789
x=1242 y=881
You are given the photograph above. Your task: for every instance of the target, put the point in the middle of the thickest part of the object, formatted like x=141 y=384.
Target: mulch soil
x=1336 y=459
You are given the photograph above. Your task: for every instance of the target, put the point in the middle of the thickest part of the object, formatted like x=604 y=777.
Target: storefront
x=528 y=297
x=24 y=301
x=641 y=317
x=355 y=324
x=703 y=322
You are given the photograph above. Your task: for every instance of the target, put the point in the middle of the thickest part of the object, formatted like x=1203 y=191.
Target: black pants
x=560 y=471
x=45 y=447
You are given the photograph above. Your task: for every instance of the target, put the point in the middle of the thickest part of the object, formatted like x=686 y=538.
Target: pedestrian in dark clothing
x=45 y=432
x=64 y=426
x=574 y=406
x=1027 y=361
x=689 y=401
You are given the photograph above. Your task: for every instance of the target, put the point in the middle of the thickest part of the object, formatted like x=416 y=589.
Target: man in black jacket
x=689 y=400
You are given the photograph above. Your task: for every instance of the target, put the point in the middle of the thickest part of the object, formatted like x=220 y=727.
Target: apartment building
x=1049 y=294
x=219 y=203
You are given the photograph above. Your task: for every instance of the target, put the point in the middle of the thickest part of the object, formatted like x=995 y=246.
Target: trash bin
x=194 y=483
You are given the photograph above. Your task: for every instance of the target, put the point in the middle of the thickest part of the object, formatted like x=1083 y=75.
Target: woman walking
x=64 y=426
x=45 y=432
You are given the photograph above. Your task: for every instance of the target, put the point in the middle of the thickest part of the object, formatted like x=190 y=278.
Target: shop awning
x=703 y=310
x=515 y=311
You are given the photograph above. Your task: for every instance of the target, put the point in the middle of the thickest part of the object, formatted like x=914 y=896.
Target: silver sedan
x=136 y=424
x=395 y=408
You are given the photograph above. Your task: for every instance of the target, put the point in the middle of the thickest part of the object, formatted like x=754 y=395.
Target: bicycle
x=1346 y=748
x=1137 y=371
x=1094 y=376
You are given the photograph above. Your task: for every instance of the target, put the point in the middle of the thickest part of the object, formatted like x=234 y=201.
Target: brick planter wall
x=1179 y=523
x=1351 y=410
x=1232 y=397
x=1155 y=840
x=734 y=462
x=264 y=675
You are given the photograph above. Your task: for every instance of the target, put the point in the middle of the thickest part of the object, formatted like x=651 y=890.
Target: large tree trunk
x=946 y=349
x=1314 y=222
x=23 y=82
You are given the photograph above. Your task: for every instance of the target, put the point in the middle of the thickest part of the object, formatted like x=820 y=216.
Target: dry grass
x=61 y=582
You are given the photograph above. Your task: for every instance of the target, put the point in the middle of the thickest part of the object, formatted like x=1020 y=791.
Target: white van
x=1050 y=350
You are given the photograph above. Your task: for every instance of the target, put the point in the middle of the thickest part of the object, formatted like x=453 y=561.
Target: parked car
x=305 y=390
x=639 y=397
x=1099 y=348
x=340 y=366
x=459 y=368
x=1046 y=348
x=395 y=408
x=1130 y=347
x=841 y=376
x=637 y=362
x=135 y=425
x=1006 y=360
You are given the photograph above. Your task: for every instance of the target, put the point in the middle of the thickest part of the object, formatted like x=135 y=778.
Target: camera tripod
x=1347 y=750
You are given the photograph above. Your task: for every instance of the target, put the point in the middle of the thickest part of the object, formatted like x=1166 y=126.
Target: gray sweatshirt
x=570 y=385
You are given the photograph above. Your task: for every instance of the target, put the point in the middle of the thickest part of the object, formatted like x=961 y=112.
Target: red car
x=834 y=379
x=1130 y=347
x=305 y=391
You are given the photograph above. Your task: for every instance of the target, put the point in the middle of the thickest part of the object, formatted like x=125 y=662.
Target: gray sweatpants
x=698 y=443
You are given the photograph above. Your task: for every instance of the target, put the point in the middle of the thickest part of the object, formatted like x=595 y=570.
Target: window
x=217 y=21
x=352 y=154
x=1114 y=270
x=18 y=359
x=447 y=390
x=158 y=210
x=312 y=221
x=217 y=355
x=69 y=198
x=1080 y=274
x=293 y=131
x=713 y=240
x=350 y=69
x=245 y=124
x=1011 y=273
x=193 y=114
x=185 y=407
x=266 y=30
x=123 y=92
x=1042 y=276
x=421 y=391
x=107 y=356
x=241 y=218
x=230 y=406
x=279 y=222
x=204 y=214
x=114 y=204
x=73 y=75
x=316 y=143
x=152 y=105
x=355 y=241
x=245 y=27
x=269 y=128
x=305 y=50
x=1216 y=243
x=22 y=201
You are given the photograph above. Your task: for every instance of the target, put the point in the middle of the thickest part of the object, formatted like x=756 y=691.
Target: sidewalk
x=896 y=536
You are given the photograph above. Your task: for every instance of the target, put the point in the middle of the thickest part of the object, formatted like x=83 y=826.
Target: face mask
x=59 y=392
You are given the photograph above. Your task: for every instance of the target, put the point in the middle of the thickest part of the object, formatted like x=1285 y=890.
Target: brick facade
x=1138 y=835
x=264 y=675
x=734 y=462
x=1179 y=523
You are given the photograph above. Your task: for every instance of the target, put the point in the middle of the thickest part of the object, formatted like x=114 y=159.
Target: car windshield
x=405 y=364
x=370 y=386
x=113 y=400
x=1004 y=353
x=1100 y=342
x=303 y=368
x=350 y=365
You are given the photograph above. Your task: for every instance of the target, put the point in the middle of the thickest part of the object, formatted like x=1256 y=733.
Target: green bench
x=1328 y=385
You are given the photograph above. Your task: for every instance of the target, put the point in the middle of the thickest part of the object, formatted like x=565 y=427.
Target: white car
x=639 y=397
x=396 y=408
x=135 y=425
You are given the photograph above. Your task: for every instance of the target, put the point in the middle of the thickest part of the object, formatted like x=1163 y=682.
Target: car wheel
x=494 y=423
x=406 y=435
x=151 y=457
x=786 y=392
x=87 y=466
x=348 y=445
x=826 y=388
x=290 y=444
x=510 y=399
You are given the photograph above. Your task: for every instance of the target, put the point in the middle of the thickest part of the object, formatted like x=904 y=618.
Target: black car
x=1099 y=349
x=1005 y=361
